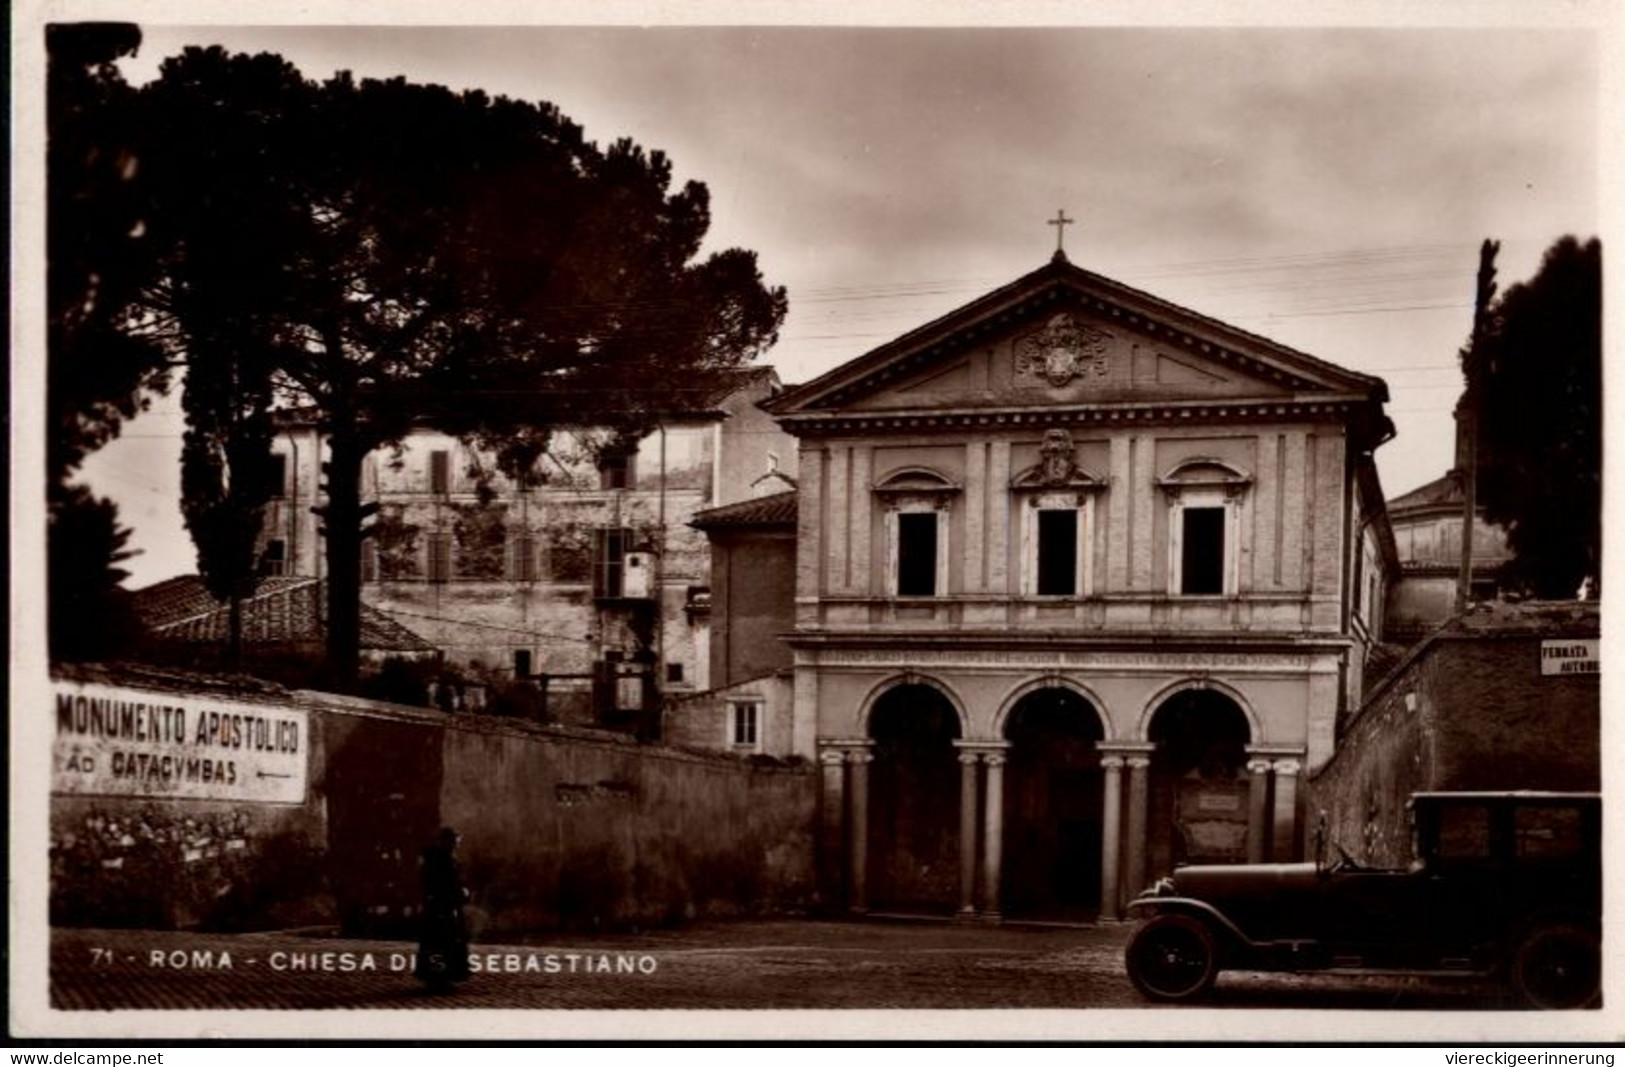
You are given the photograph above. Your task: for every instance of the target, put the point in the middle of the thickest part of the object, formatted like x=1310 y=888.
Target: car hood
x=1243 y=880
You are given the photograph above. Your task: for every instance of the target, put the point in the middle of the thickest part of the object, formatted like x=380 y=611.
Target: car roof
x=1535 y=796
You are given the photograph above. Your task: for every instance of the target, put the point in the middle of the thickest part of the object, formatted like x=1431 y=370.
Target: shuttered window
x=609 y=561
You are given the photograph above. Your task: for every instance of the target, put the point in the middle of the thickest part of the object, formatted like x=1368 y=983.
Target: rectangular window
x=609 y=561
x=745 y=726
x=1464 y=832
x=674 y=673
x=617 y=470
x=1548 y=832
x=1202 y=551
x=274 y=560
x=440 y=472
x=439 y=557
x=369 y=560
x=917 y=553
x=276 y=475
x=524 y=558
x=521 y=663
x=1057 y=552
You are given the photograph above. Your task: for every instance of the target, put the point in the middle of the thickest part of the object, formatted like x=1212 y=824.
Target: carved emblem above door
x=1061 y=351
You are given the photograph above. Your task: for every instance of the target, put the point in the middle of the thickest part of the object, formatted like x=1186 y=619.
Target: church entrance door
x=914 y=802
x=1052 y=807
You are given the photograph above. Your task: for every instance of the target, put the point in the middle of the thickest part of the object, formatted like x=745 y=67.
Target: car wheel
x=1558 y=967
x=1173 y=957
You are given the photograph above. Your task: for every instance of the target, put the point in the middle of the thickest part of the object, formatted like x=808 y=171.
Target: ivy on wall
x=481 y=533
x=397 y=544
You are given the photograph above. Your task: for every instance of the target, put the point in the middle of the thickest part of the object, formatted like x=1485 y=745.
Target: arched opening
x=1198 y=781
x=1052 y=806
x=914 y=801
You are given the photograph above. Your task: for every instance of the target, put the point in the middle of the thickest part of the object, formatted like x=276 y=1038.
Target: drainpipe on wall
x=293 y=504
x=658 y=581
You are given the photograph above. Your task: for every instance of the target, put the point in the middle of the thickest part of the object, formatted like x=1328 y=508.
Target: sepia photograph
x=804 y=523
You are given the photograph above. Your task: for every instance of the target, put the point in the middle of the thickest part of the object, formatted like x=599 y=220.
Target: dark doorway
x=914 y=801
x=1198 y=781
x=1052 y=807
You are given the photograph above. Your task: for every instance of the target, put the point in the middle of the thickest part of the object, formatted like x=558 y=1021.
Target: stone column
x=1286 y=809
x=993 y=829
x=831 y=836
x=1258 y=784
x=858 y=864
x=967 y=832
x=1111 y=835
x=1138 y=801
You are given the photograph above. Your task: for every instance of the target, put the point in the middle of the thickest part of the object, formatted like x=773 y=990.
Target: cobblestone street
x=741 y=965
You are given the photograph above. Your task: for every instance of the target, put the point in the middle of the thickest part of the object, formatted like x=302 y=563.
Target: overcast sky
x=1327 y=188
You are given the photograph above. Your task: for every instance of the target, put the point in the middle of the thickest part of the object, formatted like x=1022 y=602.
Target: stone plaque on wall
x=1212 y=819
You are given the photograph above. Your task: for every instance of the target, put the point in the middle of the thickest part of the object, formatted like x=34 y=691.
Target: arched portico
x=1001 y=717
x=1159 y=700
x=871 y=699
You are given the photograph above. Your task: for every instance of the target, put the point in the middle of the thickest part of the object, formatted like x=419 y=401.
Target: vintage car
x=1503 y=884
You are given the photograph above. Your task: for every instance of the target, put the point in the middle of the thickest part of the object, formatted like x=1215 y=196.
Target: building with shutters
x=1083 y=583
x=587 y=570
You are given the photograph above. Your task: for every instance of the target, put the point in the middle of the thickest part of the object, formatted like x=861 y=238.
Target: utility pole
x=1467 y=420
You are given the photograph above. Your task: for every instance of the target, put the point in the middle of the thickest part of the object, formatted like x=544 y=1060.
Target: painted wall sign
x=1574 y=656
x=112 y=741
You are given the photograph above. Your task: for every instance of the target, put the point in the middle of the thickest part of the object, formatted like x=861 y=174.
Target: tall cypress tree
x=1539 y=377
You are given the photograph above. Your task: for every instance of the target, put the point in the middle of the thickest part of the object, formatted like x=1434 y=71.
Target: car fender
x=1229 y=931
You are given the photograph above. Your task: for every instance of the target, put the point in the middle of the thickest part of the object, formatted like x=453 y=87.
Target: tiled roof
x=779 y=509
x=1438 y=493
x=283 y=609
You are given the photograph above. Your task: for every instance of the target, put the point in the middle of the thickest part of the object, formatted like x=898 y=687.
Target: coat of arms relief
x=1063 y=350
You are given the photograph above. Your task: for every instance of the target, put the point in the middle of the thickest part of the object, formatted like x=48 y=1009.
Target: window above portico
x=1055 y=499
x=916 y=502
x=1205 y=497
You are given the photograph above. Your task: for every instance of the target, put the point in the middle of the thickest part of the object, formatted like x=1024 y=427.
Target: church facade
x=1084 y=581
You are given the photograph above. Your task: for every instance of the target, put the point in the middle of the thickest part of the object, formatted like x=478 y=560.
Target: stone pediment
x=1064 y=337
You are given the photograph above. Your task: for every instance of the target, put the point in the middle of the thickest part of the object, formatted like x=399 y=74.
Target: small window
x=440 y=472
x=674 y=673
x=1057 y=552
x=745 y=726
x=276 y=475
x=617 y=470
x=274 y=560
x=609 y=561
x=369 y=560
x=1202 y=551
x=917 y=553
x=521 y=663
x=440 y=557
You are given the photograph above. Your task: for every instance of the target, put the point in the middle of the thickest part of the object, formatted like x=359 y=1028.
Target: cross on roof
x=1059 y=221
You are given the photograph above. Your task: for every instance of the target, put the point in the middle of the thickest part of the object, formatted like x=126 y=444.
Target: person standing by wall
x=442 y=959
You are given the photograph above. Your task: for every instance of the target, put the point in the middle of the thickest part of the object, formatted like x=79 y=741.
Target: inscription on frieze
x=1063 y=660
